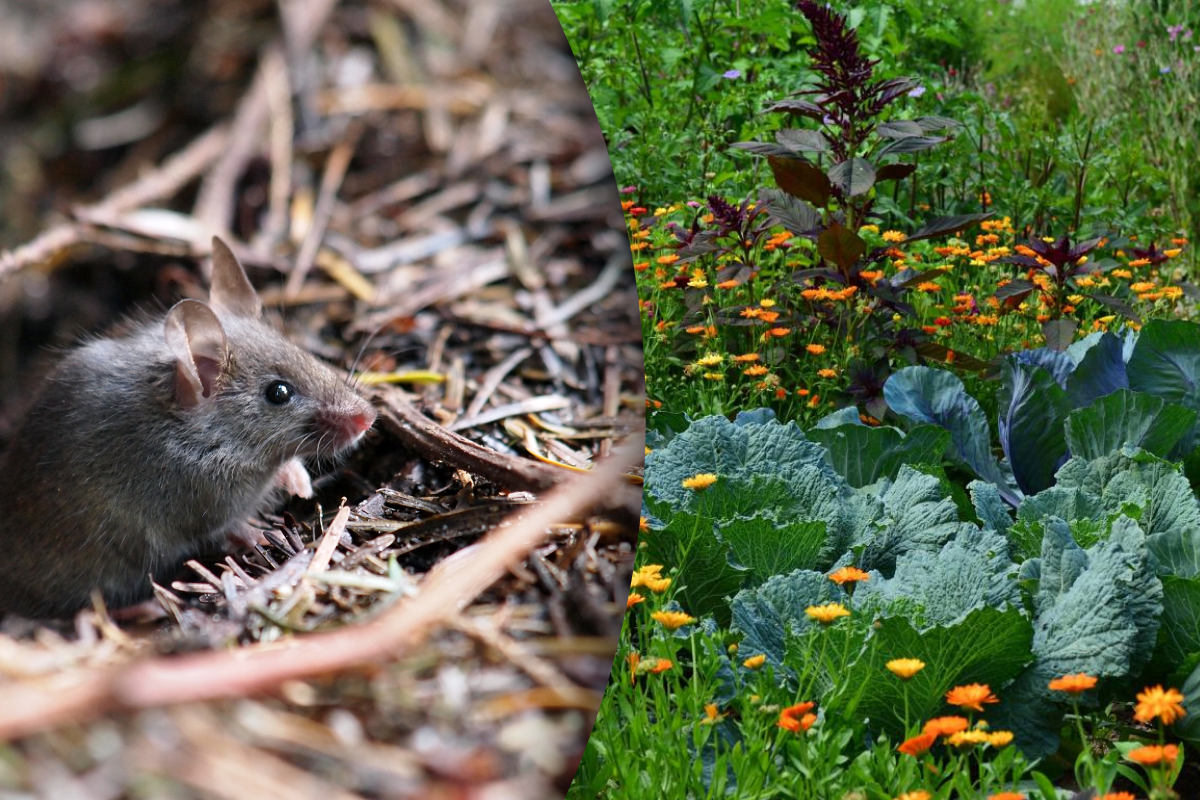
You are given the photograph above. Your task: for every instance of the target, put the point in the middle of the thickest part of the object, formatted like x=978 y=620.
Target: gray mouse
x=142 y=451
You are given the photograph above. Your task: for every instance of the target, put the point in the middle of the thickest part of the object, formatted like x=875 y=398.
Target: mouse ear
x=231 y=290
x=197 y=340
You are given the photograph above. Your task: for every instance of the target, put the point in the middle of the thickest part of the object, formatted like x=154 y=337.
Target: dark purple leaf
x=910 y=144
x=904 y=281
x=763 y=149
x=894 y=172
x=1059 y=333
x=842 y=246
x=854 y=176
x=802 y=140
x=933 y=123
x=1013 y=289
x=802 y=275
x=1020 y=261
x=944 y=225
x=899 y=129
x=803 y=108
x=1117 y=305
x=801 y=179
x=796 y=215
x=940 y=353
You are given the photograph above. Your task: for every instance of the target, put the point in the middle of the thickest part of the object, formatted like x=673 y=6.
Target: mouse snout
x=347 y=422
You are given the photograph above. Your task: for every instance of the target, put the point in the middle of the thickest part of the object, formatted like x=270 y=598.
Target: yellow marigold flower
x=919 y=794
x=905 y=668
x=1073 y=684
x=827 y=373
x=967 y=738
x=1139 y=262
x=946 y=726
x=1154 y=755
x=827 y=613
x=1121 y=273
x=710 y=360
x=697 y=283
x=1000 y=738
x=972 y=696
x=815 y=349
x=714 y=376
x=895 y=237
x=869 y=228
x=1155 y=702
x=747 y=357
x=671 y=620
x=643 y=523
x=848 y=575
x=1075 y=299
x=766 y=302
x=699 y=482
x=754 y=662
x=633 y=599
x=1172 y=253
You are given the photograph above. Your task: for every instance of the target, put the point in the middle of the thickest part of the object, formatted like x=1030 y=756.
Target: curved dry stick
x=35 y=706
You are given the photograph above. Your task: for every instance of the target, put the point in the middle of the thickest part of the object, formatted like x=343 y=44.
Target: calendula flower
x=712 y=714
x=971 y=696
x=651 y=577
x=1007 y=796
x=660 y=666
x=827 y=373
x=1154 y=755
x=919 y=794
x=894 y=237
x=797 y=718
x=1073 y=684
x=745 y=357
x=633 y=599
x=754 y=662
x=755 y=370
x=905 y=668
x=671 y=620
x=1118 y=796
x=710 y=360
x=815 y=349
x=918 y=744
x=1155 y=702
x=967 y=738
x=946 y=726
x=827 y=613
x=699 y=482
x=848 y=575
x=1000 y=738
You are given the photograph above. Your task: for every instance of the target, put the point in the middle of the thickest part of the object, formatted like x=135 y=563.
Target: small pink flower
x=1119 y=49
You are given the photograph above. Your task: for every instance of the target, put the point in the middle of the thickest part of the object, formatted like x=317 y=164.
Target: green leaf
x=1179 y=634
x=1188 y=728
x=988 y=645
x=863 y=455
x=767 y=615
x=1032 y=409
x=703 y=575
x=842 y=246
x=937 y=397
x=1166 y=362
x=1127 y=418
x=766 y=548
x=918 y=514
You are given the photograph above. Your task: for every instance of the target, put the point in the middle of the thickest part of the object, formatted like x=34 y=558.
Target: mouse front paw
x=293 y=477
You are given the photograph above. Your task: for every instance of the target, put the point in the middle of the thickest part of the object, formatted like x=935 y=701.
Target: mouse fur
x=143 y=451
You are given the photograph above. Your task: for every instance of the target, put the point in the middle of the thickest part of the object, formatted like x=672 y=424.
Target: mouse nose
x=347 y=424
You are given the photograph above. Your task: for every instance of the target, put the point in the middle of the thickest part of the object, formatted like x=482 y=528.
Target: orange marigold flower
x=779 y=332
x=634 y=660
x=1073 y=684
x=972 y=696
x=893 y=236
x=768 y=316
x=1118 y=796
x=661 y=666
x=797 y=718
x=815 y=349
x=633 y=599
x=967 y=738
x=754 y=662
x=641 y=266
x=748 y=357
x=699 y=482
x=729 y=284
x=755 y=371
x=1155 y=702
x=670 y=258
x=672 y=620
x=1153 y=755
x=905 y=668
x=827 y=373
x=1007 y=796
x=917 y=744
x=848 y=575
x=946 y=726
x=828 y=613
x=928 y=286
x=919 y=794
x=1139 y=262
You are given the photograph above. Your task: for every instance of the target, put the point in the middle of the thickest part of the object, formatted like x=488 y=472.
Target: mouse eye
x=278 y=393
